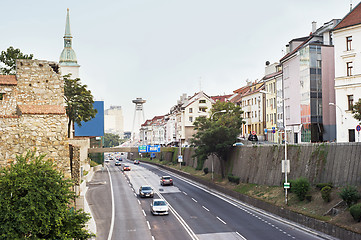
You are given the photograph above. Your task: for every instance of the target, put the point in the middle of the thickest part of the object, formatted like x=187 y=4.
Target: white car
x=159 y=207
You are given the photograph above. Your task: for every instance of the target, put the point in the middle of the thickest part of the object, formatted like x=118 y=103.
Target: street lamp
x=222 y=111
x=284 y=126
x=333 y=104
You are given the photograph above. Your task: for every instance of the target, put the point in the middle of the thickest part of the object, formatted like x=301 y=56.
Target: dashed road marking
x=148 y=225
x=194 y=200
x=221 y=220
x=144 y=213
x=205 y=208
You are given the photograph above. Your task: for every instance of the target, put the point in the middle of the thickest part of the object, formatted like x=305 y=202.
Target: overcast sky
x=159 y=49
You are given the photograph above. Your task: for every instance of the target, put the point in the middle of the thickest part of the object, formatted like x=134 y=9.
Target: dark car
x=136 y=162
x=166 y=180
x=253 y=138
x=146 y=191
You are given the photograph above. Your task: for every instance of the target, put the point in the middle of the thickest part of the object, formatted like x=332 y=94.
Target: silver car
x=159 y=207
x=146 y=191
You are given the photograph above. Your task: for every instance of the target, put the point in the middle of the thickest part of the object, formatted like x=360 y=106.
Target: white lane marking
x=241 y=236
x=144 y=213
x=153 y=238
x=205 y=208
x=221 y=220
x=194 y=200
x=238 y=203
x=175 y=213
x=113 y=208
x=148 y=225
x=135 y=194
x=139 y=202
x=185 y=193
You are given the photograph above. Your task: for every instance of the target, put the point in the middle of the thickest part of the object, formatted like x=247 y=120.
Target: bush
x=233 y=179
x=322 y=185
x=350 y=195
x=301 y=187
x=308 y=197
x=355 y=211
x=205 y=170
x=326 y=193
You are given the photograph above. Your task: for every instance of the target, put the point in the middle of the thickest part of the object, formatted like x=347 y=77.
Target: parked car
x=159 y=207
x=126 y=168
x=146 y=191
x=118 y=163
x=136 y=162
x=238 y=144
x=166 y=180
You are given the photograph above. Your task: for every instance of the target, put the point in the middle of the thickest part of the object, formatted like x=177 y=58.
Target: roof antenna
x=350 y=5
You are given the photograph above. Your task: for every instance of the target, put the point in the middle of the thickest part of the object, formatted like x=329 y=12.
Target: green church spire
x=68 y=56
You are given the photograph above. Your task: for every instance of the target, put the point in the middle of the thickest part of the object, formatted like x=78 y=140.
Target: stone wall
x=261 y=164
x=39 y=120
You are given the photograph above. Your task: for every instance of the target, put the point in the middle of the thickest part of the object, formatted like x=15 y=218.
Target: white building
x=114 y=120
x=347 y=41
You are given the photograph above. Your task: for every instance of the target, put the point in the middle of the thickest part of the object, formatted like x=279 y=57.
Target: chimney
x=314 y=26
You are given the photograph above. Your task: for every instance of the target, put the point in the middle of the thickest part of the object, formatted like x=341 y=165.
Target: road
x=196 y=212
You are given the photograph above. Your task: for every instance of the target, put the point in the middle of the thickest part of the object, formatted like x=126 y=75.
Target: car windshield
x=146 y=188
x=126 y=166
x=166 y=178
x=159 y=203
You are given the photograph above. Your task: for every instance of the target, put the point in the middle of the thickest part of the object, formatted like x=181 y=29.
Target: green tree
x=111 y=140
x=216 y=135
x=356 y=110
x=35 y=200
x=79 y=102
x=8 y=58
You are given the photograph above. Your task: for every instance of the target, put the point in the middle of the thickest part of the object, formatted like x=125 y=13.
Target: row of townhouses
x=310 y=92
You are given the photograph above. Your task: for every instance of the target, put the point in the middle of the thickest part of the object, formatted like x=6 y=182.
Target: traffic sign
x=180 y=158
x=153 y=148
x=358 y=128
x=273 y=128
x=273 y=131
x=286 y=185
x=253 y=133
x=265 y=130
x=142 y=148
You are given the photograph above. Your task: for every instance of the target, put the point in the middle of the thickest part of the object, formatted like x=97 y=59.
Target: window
x=349 y=68
x=350 y=102
x=348 y=43
x=202 y=109
x=190 y=110
x=202 y=101
x=191 y=119
x=2 y=96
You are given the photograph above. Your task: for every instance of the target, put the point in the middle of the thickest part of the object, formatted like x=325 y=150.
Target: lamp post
x=285 y=165
x=333 y=104
x=222 y=111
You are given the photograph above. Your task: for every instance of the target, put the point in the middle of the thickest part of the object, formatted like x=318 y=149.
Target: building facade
x=114 y=120
x=347 y=41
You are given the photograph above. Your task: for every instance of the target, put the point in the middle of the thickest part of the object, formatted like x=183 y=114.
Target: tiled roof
x=42 y=109
x=351 y=19
x=223 y=98
x=8 y=80
x=272 y=75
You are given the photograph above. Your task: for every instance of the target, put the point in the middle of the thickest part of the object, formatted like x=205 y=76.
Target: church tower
x=68 y=63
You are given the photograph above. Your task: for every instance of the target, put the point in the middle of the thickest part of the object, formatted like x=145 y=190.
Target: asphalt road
x=196 y=212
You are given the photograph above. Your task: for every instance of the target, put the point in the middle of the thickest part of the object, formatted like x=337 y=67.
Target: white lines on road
x=205 y=208
x=153 y=238
x=194 y=200
x=185 y=193
x=139 y=202
x=135 y=194
x=144 y=213
x=241 y=236
x=113 y=208
x=221 y=220
x=148 y=225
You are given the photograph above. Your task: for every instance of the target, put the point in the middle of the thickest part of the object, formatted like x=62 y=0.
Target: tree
x=79 y=102
x=9 y=57
x=217 y=134
x=111 y=140
x=34 y=202
x=356 y=110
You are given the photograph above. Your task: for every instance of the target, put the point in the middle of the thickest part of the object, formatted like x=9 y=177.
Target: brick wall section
x=32 y=115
